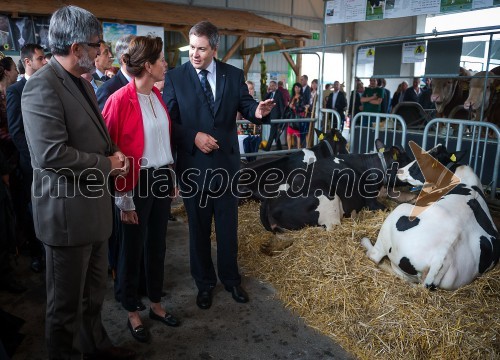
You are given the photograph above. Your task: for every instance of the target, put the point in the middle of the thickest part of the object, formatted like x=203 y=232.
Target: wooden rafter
x=233 y=48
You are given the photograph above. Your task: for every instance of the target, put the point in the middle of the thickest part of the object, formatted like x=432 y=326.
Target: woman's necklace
x=151 y=103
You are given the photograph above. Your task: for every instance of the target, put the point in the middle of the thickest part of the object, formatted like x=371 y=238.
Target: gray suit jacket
x=69 y=145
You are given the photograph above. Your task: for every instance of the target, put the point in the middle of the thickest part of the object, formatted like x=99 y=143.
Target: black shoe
x=140 y=333
x=13 y=286
x=204 y=299
x=140 y=305
x=37 y=265
x=111 y=353
x=238 y=293
x=172 y=218
x=169 y=319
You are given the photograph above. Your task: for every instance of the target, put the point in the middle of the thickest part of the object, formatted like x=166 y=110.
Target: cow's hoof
x=431 y=287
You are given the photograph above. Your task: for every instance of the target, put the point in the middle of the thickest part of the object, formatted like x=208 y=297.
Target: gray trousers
x=76 y=285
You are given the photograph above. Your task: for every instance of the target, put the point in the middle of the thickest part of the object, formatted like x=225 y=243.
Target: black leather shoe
x=140 y=305
x=37 y=265
x=238 y=293
x=169 y=319
x=140 y=333
x=111 y=353
x=204 y=299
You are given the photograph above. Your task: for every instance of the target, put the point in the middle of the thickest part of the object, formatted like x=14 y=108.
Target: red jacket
x=123 y=117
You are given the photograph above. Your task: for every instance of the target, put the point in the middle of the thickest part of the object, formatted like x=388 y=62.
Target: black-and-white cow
x=376 y=3
x=331 y=189
x=264 y=176
x=450 y=243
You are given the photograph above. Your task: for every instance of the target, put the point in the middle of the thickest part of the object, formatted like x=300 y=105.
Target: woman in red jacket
x=139 y=123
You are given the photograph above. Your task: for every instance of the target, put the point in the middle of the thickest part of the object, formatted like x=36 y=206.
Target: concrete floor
x=261 y=329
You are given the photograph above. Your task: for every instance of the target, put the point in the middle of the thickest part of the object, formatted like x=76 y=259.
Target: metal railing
x=477 y=132
x=393 y=124
x=327 y=116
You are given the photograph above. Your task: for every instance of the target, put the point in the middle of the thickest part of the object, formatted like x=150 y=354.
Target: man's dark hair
x=28 y=50
x=206 y=28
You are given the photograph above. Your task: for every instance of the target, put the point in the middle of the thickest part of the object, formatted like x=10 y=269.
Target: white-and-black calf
x=330 y=189
x=450 y=243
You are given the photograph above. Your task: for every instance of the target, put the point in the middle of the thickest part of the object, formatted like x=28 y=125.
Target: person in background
x=33 y=58
x=384 y=106
x=103 y=62
x=95 y=83
x=203 y=97
x=337 y=102
x=284 y=93
x=298 y=107
x=20 y=69
x=425 y=98
x=8 y=163
x=371 y=100
x=413 y=94
x=326 y=93
x=355 y=99
x=397 y=96
x=73 y=157
x=276 y=113
x=48 y=56
x=136 y=111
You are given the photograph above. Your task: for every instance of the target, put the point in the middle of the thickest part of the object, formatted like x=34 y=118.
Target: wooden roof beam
x=269 y=47
x=233 y=48
x=286 y=55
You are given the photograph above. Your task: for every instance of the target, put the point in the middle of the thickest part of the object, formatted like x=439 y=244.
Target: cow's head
x=333 y=142
x=393 y=154
x=412 y=173
x=476 y=90
x=444 y=89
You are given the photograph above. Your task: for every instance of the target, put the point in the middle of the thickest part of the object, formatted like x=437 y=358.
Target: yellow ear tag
x=335 y=138
x=321 y=137
x=453 y=158
x=381 y=150
x=394 y=156
x=434 y=164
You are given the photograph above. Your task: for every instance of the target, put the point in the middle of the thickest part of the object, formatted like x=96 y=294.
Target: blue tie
x=207 y=89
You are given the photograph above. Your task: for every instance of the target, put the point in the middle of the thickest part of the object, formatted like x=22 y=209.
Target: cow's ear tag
x=321 y=137
x=335 y=138
x=381 y=150
x=453 y=158
x=497 y=89
x=395 y=156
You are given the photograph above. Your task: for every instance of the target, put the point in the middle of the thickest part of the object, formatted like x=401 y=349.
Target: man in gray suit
x=72 y=157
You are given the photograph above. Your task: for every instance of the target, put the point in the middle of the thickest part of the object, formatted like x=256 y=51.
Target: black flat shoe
x=204 y=299
x=140 y=333
x=238 y=293
x=169 y=319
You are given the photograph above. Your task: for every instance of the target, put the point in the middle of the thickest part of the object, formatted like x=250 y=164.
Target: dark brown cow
x=449 y=93
x=491 y=106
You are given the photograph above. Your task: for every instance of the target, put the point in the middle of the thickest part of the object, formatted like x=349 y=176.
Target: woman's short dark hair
x=6 y=64
x=142 y=49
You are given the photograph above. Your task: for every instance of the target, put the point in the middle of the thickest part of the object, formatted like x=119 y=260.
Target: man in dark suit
x=203 y=97
x=121 y=79
x=72 y=156
x=33 y=58
x=103 y=62
x=337 y=101
x=276 y=113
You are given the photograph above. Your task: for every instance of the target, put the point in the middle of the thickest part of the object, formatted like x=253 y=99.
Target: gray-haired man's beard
x=86 y=63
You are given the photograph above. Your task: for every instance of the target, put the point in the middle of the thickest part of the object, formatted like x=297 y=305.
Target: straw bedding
x=325 y=277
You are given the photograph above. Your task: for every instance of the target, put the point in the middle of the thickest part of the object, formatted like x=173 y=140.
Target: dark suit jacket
x=306 y=93
x=340 y=103
x=15 y=121
x=190 y=113
x=109 y=87
x=277 y=111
